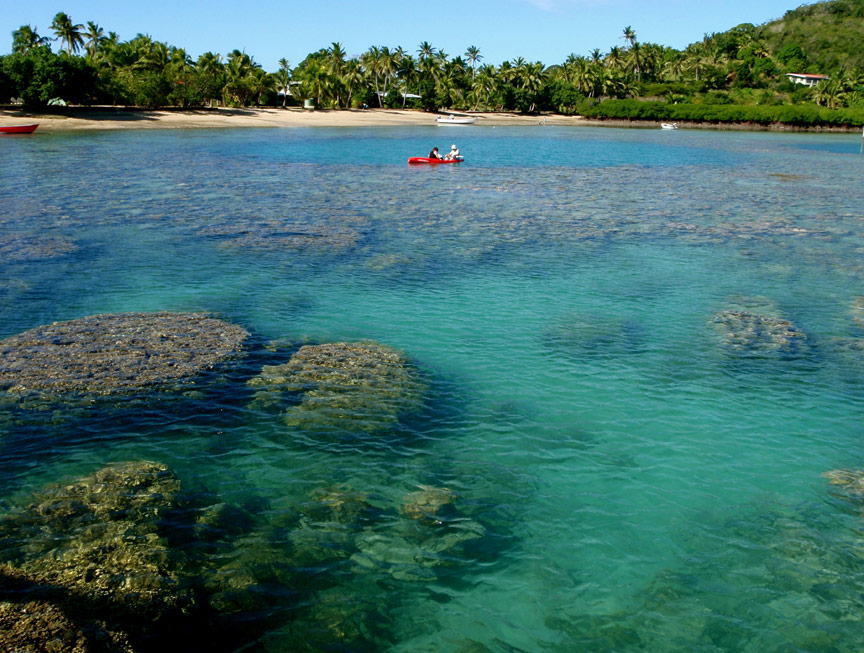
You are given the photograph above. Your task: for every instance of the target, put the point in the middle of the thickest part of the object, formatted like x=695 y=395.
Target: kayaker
x=434 y=154
x=453 y=153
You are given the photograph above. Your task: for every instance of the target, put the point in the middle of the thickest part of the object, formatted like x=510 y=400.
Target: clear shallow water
x=638 y=485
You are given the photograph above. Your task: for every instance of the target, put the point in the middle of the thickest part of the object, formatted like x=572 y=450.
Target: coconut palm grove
x=741 y=75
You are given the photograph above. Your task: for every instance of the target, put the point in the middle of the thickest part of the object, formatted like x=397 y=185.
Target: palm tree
x=473 y=55
x=425 y=50
x=25 y=38
x=68 y=34
x=614 y=59
x=371 y=60
x=212 y=72
x=674 y=67
x=634 y=57
x=95 y=37
x=484 y=85
x=352 y=78
x=629 y=35
x=408 y=73
x=335 y=65
x=283 y=79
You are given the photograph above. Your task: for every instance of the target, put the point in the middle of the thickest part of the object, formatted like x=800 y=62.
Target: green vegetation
x=739 y=75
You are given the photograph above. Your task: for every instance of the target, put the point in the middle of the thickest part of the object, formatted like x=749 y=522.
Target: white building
x=807 y=80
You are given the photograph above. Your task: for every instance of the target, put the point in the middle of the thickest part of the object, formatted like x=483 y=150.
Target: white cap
x=453 y=147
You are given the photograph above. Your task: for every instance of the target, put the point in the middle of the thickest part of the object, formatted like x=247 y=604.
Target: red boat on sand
x=19 y=129
x=424 y=159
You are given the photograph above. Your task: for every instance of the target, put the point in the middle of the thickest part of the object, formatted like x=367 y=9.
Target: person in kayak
x=434 y=154
x=453 y=153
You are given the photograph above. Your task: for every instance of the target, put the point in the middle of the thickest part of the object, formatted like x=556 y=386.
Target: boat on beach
x=668 y=125
x=455 y=120
x=416 y=160
x=18 y=129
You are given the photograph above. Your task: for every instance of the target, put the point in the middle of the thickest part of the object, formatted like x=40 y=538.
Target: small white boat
x=455 y=120
x=668 y=125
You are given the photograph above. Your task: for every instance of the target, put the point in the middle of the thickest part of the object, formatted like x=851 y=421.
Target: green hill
x=825 y=37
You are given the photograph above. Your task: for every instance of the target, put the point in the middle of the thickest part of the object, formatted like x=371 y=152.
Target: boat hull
x=19 y=129
x=455 y=121
x=418 y=160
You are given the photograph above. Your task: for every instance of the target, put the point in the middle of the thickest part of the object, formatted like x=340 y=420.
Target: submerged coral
x=42 y=617
x=857 y=311
x=275 y=235
x=361 y=386
x=115 y=353
x=589 y=335
x=754 y=327
x=34 y=248
x=95 y=545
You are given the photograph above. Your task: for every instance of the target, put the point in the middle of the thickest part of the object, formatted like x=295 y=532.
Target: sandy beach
x=100 y=118
x=106 y=118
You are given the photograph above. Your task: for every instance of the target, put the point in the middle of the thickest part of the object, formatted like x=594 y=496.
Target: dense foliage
x=737 y=75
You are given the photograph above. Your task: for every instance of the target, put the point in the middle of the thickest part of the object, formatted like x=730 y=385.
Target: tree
x=67 y=33
x=473 y=55
x=25 y=38
x=39 y=76
x=283 y=79
x=95 y=37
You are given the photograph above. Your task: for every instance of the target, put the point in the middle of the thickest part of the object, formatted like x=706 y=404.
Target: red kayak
x=424 y=159
x=19 y=129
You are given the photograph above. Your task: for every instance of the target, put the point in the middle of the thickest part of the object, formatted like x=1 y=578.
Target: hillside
x=824 y=37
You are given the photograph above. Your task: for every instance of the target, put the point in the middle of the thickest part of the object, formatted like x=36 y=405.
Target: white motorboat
x=668 y=125
x=455 y=120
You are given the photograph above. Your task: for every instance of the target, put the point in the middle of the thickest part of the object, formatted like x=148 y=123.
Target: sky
x=268 y=30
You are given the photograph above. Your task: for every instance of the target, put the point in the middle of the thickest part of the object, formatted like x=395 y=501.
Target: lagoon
x=640 y=354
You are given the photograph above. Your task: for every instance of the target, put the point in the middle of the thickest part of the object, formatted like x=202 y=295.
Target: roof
x=807 y=75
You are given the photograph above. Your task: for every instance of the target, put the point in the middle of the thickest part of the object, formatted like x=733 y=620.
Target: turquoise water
x=638 y=485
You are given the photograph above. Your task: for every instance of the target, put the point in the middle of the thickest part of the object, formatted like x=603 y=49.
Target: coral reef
x=115 y=353
x=359 y=387
x=753 y=327
x=89 y=559
x=34 y=248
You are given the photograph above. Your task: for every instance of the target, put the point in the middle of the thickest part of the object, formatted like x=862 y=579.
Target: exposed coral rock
x=115 y=353
x=360 y=386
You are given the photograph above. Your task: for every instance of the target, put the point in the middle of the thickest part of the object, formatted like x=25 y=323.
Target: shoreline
x=109 y=118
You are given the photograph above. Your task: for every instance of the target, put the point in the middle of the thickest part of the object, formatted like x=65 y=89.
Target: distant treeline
x=805 y=115
x=738 y=75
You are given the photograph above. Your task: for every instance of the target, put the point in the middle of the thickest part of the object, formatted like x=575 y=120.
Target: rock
x=753 y=333
x=851 y=481
x=115 y=354
x=427 y=503
x=15 y=247
x=279 y=236
x=38 y=617
x=358 y=387
x=857 y=310
x=98 y=537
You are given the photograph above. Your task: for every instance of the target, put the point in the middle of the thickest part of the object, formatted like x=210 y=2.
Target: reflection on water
x=588 y=401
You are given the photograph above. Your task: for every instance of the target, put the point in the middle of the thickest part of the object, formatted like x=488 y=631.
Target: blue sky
x=538 y=30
